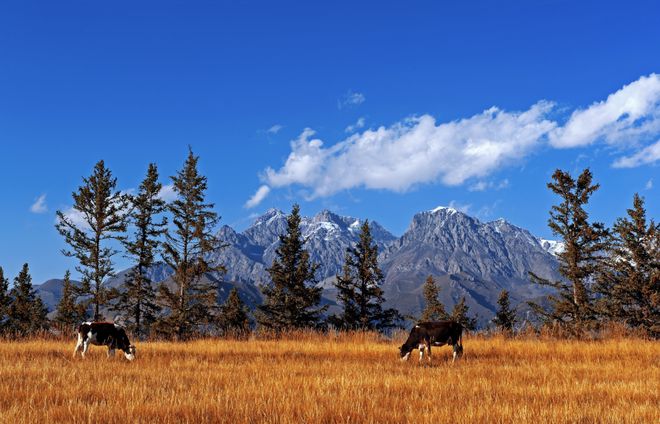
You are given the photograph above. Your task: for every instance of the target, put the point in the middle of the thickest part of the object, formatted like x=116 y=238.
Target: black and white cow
x=104 y=334
x=437 y=333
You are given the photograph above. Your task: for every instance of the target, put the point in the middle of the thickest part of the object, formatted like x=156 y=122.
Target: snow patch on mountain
x=553 y=247
x=447 y=209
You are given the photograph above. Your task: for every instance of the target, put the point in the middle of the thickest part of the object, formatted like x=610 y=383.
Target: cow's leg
x=79 y=344
x=428 y=347
x=458 y=351
x=421 y=348
x=85 y=348
x=111 y=352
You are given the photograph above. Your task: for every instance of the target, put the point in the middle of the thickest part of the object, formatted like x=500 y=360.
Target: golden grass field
x=325 y=379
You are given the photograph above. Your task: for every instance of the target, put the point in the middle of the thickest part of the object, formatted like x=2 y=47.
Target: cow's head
x=129 y=352
x=124 y=344
x=404 y=352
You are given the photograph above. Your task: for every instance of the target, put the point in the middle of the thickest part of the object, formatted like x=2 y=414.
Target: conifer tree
x=234 y=319
x=68 y=311
x=5 y=301
x=137 y=300
x=460 y=315
x=434 y=310
x=505 y=318
x=192 y=301
x=629 y=282
x=292 y=299
x=100 y=213
x=359 y=290
x=27 y=313
x=584 y=245
x=347 y=298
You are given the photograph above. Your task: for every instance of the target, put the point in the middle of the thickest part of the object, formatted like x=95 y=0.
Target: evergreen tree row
x=608 y=274
x=21 y=311
x=181 y=234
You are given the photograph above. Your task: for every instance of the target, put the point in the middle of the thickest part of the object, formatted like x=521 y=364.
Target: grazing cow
x=438 y=333
x=104 y=334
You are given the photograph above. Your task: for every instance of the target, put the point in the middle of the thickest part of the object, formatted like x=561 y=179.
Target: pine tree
x=68 y=311
x=99 y=218
x=505 y=318
x=27 y=313
x=434 y=309
x=137 y=299
x=292 y=300
x=192 y=301
x=234 y=319
x=460 y=315
x=359 y=290
x=629 y=282
x=5 y=301
x=584 y=244
x=347 y=298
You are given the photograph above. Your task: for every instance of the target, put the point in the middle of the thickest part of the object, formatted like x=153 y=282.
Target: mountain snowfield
x=468 y=257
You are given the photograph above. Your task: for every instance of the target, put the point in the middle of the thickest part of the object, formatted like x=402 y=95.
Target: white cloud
x=39 y=205
x=420 y=150
x=465 y=208
x=167 y=193
x=649 y=184
x=413 y=151
x=351 y=98
x=626 y=116
x=356 y=126
x=487 y=185
x=274 y=129
x=649 y=154
x=76 y=217
x=258 y=197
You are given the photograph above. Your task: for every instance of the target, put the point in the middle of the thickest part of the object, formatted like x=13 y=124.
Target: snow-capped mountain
x=327 y=236
x=468 y=257
x=553 y=247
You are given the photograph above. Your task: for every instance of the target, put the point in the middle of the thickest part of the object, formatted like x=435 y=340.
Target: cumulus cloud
x=649 y=154
x=167 y=193
x=420 y=150
x=351 y=98
x=274 y=129
x=39 y=205
x=626 y=116
x=76 y=217
x=356 y=126
x=258 y=197
x=413 y=151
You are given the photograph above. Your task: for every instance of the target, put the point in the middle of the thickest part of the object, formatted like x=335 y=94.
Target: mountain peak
x=268 y=216
x=326 y=216
x=446 y=209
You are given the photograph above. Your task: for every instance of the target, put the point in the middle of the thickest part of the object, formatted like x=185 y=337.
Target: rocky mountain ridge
x=468 y=257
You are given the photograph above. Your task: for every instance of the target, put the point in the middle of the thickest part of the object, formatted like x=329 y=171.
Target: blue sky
x=399 y=93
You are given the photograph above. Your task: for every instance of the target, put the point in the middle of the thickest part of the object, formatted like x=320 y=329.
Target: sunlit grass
x=328 y=379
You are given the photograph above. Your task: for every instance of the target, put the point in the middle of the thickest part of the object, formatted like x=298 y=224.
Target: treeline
x=608 y=274
x=180 y=233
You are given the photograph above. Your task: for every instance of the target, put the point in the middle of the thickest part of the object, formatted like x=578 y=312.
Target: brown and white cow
x=437 y=333
x=104 y=334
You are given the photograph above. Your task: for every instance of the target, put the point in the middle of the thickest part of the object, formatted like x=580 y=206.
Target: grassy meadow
x=327 y=379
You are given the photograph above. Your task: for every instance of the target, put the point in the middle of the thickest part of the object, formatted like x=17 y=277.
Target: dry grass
x=319 y=379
